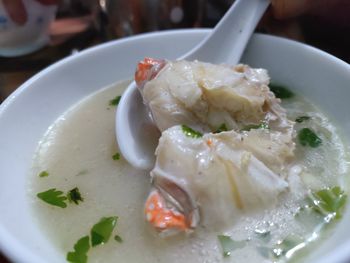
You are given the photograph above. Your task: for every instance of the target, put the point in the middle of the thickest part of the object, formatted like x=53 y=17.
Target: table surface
x=322 y=32
x=332 y=38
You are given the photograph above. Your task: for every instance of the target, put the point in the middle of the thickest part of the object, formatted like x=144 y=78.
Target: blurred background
x=62 y=28
x=79 y=24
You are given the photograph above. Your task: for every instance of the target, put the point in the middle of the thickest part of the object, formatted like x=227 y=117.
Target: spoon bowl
x=136 y=134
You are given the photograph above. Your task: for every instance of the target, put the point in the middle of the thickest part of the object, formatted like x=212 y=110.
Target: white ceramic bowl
x=29 y=111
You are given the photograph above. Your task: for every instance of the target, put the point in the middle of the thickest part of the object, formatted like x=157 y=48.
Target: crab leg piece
x=147 y=69
x=160 y=216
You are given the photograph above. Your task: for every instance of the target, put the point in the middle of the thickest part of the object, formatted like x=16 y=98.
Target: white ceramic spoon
x=136 y=134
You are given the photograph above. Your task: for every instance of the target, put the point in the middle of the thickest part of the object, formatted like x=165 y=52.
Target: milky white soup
x=80 y=150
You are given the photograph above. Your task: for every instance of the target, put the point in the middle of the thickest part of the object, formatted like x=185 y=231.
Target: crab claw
x=147 y=69
x=160 y=216
x=169 y=207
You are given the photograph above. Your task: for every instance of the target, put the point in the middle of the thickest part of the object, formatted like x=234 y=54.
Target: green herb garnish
x=75 y=196
x=287 y=244
x=308 y=137
x=82 y=172
x=190 y=132
x=309 y=217
x=115 y=101
x=228 y=245
x=116 y=156
x=222 y=128
x=53 y=197
x=79 y=255
x=302 y=118
x=118 y=238
x=263 y=234
x=44 y=174
x=281 y=91
x=263 y=125
x=101 y=232
x=328 y=201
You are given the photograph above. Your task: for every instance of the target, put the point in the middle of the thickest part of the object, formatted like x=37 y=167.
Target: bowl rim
x=10 y=246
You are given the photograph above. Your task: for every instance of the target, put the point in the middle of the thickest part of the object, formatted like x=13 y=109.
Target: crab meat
x=147 y=70
x=216 y=178
x=217 y=174
x=204 y=96
x=160 y=216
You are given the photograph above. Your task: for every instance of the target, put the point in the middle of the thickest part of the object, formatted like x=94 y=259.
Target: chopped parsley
x=302 y=118
x=101 y=232
x=308 y=217
x=43 y=174
x=82 y=172
x=308 y=137
x=53 y=197
x=280 y=91
x=286 y=245
x=116 y=156
x=263 y=234
x=222 y=128
x=115 y=101
x=118 y=238
x=79 y=255
x=57 y=198
x=190 y=132
x=329 y=201
x=263 y=125
x=75 y=196
x=228 y=245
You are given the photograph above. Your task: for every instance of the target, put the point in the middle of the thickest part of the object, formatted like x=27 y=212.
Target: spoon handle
x=228 y=39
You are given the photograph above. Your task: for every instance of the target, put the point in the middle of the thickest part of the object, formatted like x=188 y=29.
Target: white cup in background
x=17 y=40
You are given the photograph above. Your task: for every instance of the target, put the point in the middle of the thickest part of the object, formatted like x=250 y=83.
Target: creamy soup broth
x=77 y=151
